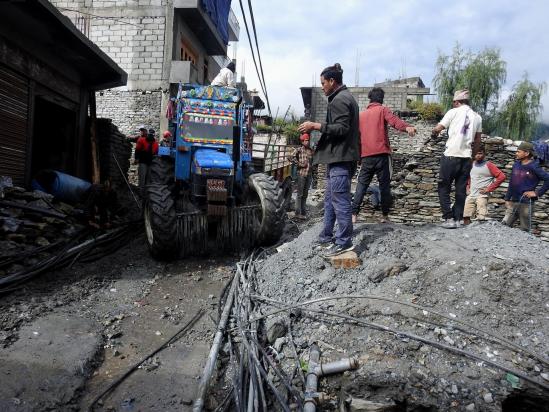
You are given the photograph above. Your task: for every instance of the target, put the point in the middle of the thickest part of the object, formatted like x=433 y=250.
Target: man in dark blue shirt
x=522 y=190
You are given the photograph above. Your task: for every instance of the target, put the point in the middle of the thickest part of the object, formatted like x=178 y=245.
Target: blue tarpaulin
x=218 y=10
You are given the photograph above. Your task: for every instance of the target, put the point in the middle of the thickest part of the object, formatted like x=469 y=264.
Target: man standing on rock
x=522 y=190
x=376 y=150
x=338 y=148
x=464 y=130
x=485 y=178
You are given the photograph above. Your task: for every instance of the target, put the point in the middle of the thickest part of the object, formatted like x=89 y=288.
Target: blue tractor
x=203 y=192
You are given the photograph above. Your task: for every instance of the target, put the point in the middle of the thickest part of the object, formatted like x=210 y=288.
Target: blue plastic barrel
x=61 y=185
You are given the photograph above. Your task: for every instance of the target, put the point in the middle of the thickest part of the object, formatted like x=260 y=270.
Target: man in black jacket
x=338 y=147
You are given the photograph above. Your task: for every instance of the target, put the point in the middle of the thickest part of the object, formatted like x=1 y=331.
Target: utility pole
x=357 y=68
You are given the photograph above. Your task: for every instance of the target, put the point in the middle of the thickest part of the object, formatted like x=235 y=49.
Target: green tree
x=484 y=77
x=292 y=134
x=520 y=112
x=483 y=74
x=449 y=75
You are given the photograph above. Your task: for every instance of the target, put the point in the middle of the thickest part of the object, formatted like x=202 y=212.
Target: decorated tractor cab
x=203 y=192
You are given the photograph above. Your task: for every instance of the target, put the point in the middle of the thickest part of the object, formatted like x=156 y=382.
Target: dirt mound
x=484 y=276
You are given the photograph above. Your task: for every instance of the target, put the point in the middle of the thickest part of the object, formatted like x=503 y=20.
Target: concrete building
x=412 y=83
x=49 y=72
x=158 y=43
x=396 y=96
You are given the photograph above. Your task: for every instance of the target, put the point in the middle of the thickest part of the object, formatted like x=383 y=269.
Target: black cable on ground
x=400 y=333
x=171 y=340
x=65 y=255
x=494 y=337
x=16 y=257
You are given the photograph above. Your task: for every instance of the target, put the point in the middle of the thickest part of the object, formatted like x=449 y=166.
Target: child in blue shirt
x=522 y=190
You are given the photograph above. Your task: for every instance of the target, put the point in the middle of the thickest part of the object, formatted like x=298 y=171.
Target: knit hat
x=142 y=127
x=304 y=136
x=167 y=134
x=461 y=95
x=526 y=147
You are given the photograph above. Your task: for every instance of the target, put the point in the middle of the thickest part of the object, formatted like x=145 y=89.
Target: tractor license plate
x=216 y=191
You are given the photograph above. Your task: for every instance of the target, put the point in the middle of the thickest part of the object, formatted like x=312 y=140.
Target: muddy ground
x=68 y=334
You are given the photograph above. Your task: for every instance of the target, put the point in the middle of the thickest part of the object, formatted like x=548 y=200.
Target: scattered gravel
x=487 y=275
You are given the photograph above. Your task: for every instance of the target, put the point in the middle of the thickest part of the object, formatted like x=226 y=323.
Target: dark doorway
x=54 y=137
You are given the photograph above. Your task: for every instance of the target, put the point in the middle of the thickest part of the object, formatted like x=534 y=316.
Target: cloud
x=298 y=39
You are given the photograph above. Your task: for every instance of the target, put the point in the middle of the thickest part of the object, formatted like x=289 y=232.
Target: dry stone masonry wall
x=415 y=173
x=131 y=108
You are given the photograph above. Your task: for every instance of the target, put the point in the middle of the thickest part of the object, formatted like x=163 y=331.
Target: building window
x=187 y=52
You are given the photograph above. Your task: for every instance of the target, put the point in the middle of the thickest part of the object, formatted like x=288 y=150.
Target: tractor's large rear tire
x=273 y=214
x=162 y=171
x=161 y=223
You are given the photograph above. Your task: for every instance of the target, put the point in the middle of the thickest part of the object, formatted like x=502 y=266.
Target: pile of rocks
x=31 y=221
x=488 y=275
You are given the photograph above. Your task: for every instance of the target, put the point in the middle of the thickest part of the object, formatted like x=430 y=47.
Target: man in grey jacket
x=338 y=148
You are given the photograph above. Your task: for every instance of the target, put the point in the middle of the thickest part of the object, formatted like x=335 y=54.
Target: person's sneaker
x=321 y=246
x=449 y=224
x=335 y=250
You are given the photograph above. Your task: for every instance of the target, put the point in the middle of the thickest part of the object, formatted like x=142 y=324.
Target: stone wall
x=414 y=183
x=395 y=98
x=130 y=108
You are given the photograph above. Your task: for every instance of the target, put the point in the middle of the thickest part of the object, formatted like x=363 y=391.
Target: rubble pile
x=31 y=225
x=484 y=276
x=38 y=232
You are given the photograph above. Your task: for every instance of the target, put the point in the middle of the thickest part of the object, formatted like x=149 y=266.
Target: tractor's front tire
x=161 y=223
x=273 y=213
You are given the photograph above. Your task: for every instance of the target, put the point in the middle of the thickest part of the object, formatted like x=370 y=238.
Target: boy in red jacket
x=376 y=150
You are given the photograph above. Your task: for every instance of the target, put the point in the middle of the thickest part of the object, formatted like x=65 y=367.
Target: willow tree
x=520 y=112
x=449 y=74
x=483 y=74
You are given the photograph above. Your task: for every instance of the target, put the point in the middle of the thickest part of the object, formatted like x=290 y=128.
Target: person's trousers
x=303 y=184
x=337 y=204
x=142 y=174
x=314 y=176
x=519 y=211
x=453 y=170
x=380 y=166
x=478 y=204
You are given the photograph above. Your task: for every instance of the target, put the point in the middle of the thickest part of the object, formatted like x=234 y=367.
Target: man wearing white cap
x=464 y=130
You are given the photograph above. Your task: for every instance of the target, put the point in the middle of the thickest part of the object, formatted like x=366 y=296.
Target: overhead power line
x=258 y=53
x=100 y=17
x=261 y=78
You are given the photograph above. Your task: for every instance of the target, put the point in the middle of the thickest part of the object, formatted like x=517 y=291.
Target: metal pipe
x=312 y=379
x=214 y=351
x=338 y=366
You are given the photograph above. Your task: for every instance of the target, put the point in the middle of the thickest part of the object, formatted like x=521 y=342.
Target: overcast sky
x=298 y=38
